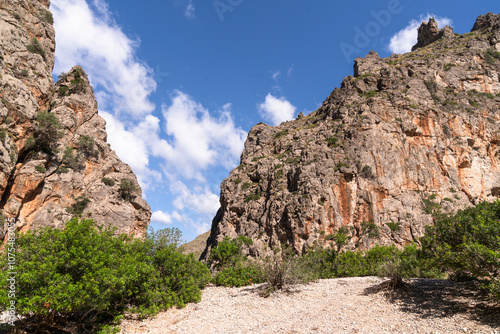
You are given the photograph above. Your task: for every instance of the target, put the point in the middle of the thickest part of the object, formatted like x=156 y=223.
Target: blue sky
x=181 y=82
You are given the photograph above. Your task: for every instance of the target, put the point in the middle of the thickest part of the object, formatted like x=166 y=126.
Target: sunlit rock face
x=43 y=187
x=404 y=136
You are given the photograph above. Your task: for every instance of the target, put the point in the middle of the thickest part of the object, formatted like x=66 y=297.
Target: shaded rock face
x=406 y=135
x=46 y=186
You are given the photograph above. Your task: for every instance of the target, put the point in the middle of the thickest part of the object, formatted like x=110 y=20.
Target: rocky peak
x=488 y=21
x=429 y=33
x=404 y=136
x=54 y=160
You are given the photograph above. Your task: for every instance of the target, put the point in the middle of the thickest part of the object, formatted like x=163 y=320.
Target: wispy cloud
x=406 y=38
x=276 y=110
x=276 y=75
x=190 y=11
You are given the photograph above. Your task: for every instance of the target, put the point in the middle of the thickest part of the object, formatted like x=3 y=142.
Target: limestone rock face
x=405 y=136
x=429 y=33
x=46 y=186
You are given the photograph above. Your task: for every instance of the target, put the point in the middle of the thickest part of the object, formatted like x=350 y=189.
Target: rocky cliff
x=404 y=136
x=54 y=159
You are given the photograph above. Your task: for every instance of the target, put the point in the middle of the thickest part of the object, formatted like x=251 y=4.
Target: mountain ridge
x=404 y=136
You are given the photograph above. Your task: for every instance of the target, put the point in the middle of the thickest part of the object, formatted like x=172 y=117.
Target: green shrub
x=393 y=226
x=165 y=237
x=253 y=197
x=127 y=189
x=341 y=238
x=232 y=267
x=62 y=170
x=240 y=274
x=86 y=145
x=228 y=252
x=350 y=264
x=246 y=185
x=491 y=56
x=370 y=93
x=466 y=244
x=70 y=159
x=108 y=181
x=63 y=90
x=448 y=66
x=181 y=277
x=89 y=275
x=281 y=134
x=47 y=16
x=78 y=207
x=370 y=229
x=332 y=141
x=40 y=168
x=47 y=131
x=35 y=47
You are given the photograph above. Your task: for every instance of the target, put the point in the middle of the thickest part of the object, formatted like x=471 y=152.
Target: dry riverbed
x=343 y=305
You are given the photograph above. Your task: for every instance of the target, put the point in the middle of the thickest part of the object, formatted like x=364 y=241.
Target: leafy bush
x=47 y=130
x=47 y=16
x=332 y=141
x=63 y=90
x=228 y=252
x=35 y=47
x=86 y=145
x=40 y=168
x=70 y=159
x=231 y=266
x=78 y=207
x=89 y=275
x=165 y=237
x=467 y=244
x=108 y=181
x=253 y=197
x=240 y=274
x=181 y=277
x=491 y=55
x=127 y=189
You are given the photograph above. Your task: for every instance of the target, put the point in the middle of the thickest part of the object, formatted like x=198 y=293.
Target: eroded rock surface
x=405 y=136
x=46 y=186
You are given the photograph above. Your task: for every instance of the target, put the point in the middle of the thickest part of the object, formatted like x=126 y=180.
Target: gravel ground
x=346 y=305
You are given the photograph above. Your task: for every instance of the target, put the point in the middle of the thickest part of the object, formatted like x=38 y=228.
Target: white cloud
x=200 y=140
x=189 y=12
x=199 y=199
x=406 y=38
x=135 y=146
x=106 y=53
x=276 y=110
x=162 y=217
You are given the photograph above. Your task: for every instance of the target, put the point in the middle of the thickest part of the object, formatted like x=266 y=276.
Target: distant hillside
x=196 y=246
